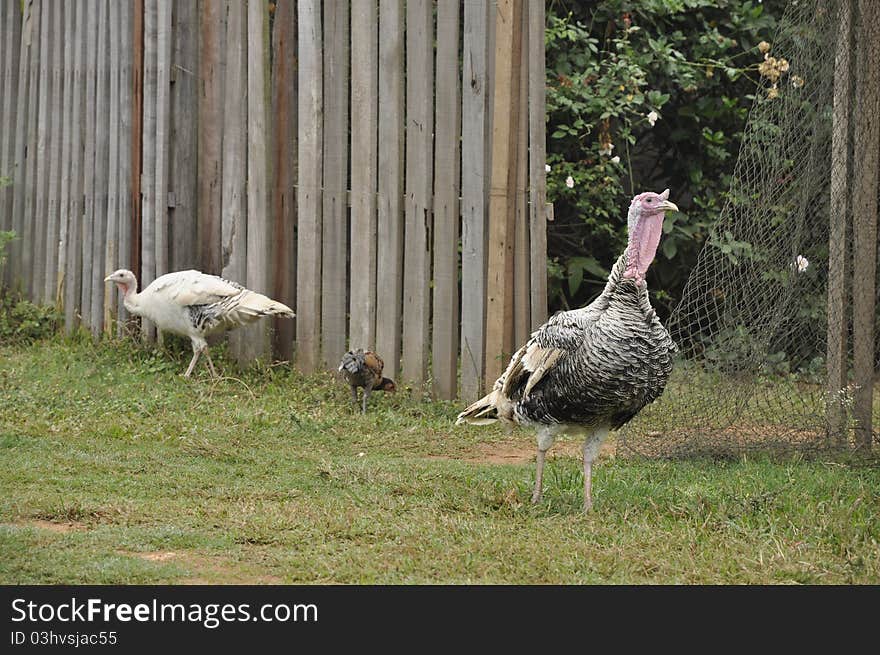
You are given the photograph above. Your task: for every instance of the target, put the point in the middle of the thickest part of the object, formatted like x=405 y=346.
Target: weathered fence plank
x=364 y=160
x=419 y=160
x=522 y=305
x=137 y=129
x=474 y=192
x=334 y=241
x=67 y=127
x=866 y=165
x=234 y=200
x=308 y=256
x=128 y=137
x=73 y=264
x=537 y=160
x=444 y=352
x=50 y=266
x=838 y=325
x=163 y=135
x=389 y=252
x=502 y=196
x=101 y=171
x=148 y=166
x=283 y=144
x=183 y=166
x=212 y=73
x=15 y=266
x=89 y=162
x=37 y=240
x=111 y=243
x=256 y=336
x=10 y=53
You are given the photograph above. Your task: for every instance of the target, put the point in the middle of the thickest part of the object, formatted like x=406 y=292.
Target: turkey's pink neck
x=643 y=242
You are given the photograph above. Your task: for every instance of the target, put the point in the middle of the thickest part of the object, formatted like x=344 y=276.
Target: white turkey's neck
x=131 y=298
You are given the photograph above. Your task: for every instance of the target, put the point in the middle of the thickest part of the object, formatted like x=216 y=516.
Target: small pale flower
x=801 y=263
x=606 y=148
x=797 y=81
x=652 y=117
x=772 y=92
x=361 y=454
x=615 y=159
x=569 y=182
x=782 y=65
x=546 y=168
x=763 y=46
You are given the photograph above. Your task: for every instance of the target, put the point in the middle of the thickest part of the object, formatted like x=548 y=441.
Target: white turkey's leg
x=546 y=435
x=210 y=363
x=192 y=363
x=591 y=448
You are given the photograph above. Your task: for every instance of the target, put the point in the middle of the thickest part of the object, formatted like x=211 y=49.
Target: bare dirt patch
x=523 y=452
x=50 y=526
x=207 y=569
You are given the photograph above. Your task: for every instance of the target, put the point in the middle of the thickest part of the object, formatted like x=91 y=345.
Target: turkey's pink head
x=124 y=279
x=645 y=222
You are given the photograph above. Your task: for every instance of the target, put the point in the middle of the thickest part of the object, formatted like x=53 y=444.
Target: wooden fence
x=377 y=165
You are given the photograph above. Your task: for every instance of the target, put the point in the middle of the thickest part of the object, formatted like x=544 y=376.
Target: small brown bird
x=363 y=368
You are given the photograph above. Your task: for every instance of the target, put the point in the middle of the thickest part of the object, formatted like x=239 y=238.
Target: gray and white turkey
x=590 y=370
x=194 y=305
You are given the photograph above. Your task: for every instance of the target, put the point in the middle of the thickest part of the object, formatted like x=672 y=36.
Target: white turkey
x=590 y=370
x=194 y=305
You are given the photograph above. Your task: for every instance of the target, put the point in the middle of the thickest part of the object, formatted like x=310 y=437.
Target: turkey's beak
x=668 y=206
x=109 y=278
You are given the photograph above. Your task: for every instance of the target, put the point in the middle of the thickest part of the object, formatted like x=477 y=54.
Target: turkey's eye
x=649 y=200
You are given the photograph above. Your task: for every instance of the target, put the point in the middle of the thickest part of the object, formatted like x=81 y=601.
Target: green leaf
x=670 y=248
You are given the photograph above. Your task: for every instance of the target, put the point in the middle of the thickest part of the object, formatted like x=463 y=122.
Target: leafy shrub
x=20 y=319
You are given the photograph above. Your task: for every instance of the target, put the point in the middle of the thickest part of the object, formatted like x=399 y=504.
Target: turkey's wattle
x=195 y=304
x=590 y=370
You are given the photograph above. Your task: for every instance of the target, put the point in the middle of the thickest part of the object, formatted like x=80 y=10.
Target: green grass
x=117 y=470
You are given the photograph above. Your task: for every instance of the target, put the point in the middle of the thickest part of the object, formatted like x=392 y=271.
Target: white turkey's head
x=645 y=223
x=124 y=279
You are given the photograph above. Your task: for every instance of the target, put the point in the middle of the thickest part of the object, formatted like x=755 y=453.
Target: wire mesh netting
x=753 y=323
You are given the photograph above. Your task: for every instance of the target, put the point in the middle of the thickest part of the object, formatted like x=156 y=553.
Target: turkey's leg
x=591 y=448
x=354 y=395
x=366 y=395
x=192 y=363
x=545 y=440
x=210 y=363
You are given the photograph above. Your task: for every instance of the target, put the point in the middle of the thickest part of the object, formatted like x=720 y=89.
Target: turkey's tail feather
x=488 y=409
x=250 y=306
x=352 y=361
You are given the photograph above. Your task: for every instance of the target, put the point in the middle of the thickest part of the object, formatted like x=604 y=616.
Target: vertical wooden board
x=444 y=324
x=474 y=191
x=499 y=284
x=27 y=234
x=89 y=162
x=137 y=131
x=309 y=156
x=334 y=225
x=101 y=171
x=211 y=99
x=283 y=197
x=67 y=128
x=837 y=336
x=419 y=160
x=37 y=271
x=127 y=140
x=163 y=133
x=256 y=336
x=867 y=163
x=537 y=107
x=522 y=302
x=73 y=267
x=364 y=159
x=183 y=189
x=389 y=255
x=234 y=199
x=148 y=170
x=111 y=241
x=13 y=267
x=50 y=266
x=9 y=89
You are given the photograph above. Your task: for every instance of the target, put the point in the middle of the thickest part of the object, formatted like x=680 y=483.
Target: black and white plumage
x=363 y=368
x=195 y=304
x=590 y=370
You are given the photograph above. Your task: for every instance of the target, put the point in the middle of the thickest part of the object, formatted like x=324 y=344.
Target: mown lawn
x=117 y=470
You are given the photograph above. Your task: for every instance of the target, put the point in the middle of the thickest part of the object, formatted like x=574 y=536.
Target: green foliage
x=643 y=96
x=20 y=319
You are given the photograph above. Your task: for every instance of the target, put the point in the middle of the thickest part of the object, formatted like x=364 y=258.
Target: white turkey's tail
x=248 y=306
x=488 y=409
